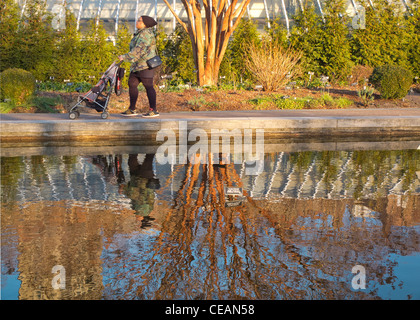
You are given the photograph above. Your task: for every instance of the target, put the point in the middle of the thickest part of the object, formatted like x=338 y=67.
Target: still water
x=123 y=226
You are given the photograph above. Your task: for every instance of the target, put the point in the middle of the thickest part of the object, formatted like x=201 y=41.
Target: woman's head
x=145 y=22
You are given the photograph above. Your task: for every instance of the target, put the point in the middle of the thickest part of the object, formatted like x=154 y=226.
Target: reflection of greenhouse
x=114 y=12
x=306 y=175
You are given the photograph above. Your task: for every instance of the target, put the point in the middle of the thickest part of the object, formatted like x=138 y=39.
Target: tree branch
x=176 y=16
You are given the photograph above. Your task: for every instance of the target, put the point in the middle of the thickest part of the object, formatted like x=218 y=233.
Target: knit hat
x=148 y=21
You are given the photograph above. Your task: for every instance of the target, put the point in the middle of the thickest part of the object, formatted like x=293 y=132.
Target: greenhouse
x=114 y=12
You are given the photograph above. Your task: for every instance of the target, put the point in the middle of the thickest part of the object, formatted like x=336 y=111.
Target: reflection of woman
x=142 y=185
x=142 y=48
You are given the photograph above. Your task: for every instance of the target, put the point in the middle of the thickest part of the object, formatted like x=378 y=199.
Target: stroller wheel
x=104 y=115
x=74 y=115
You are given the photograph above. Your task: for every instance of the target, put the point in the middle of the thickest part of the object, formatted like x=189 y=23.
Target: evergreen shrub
x=393 y=82
x=17 y=85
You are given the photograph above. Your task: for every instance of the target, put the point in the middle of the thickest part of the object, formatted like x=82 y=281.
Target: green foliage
x=385 y=39
x=46 y=104
x=122 y=46
x=34 y=40
x=97 y=52
x=17 y=85
x=325 y=44
x=199 y=102
x=285 y=102
x=307 y=37
x=336 y=59
x=233 y=66
x=329 y=47
x=412 y=24
x=177 y=55
x=66 y=58
x=168 y=57
x=298 y=103
x=393 y=82
x=278 y=32
x=63 y=86
x=9 y=20
x=328 y=101
x=366 y=95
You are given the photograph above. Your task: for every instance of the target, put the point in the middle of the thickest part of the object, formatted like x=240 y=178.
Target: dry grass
x=272 y=66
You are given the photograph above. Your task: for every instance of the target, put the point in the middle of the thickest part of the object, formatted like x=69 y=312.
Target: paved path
x=212 y=115
x=278 y=123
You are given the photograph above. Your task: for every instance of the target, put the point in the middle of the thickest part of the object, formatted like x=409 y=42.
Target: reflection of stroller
x=98 y=97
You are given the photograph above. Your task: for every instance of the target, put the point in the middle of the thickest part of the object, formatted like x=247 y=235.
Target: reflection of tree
x=208 y=251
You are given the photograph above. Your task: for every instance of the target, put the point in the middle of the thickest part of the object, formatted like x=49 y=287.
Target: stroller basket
x=98 y=97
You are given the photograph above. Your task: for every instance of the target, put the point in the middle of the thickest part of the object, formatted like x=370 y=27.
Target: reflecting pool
x=311 y=225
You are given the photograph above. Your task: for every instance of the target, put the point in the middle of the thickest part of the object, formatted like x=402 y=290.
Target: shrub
x=46 y=104
x=18 y=85
x=360 y=74
x=393 y=82
x=271 y=65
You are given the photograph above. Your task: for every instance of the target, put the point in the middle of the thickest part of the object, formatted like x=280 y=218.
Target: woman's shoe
x=129 y=112
x=151 y=114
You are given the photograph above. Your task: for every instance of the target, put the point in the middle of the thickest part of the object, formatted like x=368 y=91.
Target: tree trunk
x=209 y=43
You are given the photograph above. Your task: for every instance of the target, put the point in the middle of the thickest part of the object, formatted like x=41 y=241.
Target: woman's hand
x=121 y=58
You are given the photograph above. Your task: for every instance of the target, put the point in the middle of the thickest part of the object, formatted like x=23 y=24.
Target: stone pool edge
x=55 y=127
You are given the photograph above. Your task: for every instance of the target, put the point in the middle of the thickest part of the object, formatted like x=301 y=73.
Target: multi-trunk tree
x=210 y=33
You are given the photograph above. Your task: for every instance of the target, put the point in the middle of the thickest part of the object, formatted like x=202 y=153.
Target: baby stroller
x=98 y=97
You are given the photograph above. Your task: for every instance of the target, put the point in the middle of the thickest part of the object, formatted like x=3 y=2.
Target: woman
x=142 y=48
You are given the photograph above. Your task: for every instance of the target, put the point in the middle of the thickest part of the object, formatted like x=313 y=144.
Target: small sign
x=230 y=204
x=233 y=191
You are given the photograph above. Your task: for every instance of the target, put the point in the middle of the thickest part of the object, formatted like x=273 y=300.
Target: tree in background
x=278 y=32
x=9 y=21
x=324 y=42
x=209 y=42
x=97 y=53
x=336 y=61
x=306 y=36
x=385 y=39
x=67 y=51
x=122 y=44
x=177 y=55
x=233 y=66
x=34 y=40
x=412 y=25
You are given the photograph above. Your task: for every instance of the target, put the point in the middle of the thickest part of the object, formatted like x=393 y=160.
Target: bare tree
x=209 y=41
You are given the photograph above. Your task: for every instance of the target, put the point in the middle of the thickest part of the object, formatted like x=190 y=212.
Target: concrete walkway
x=18 y=127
